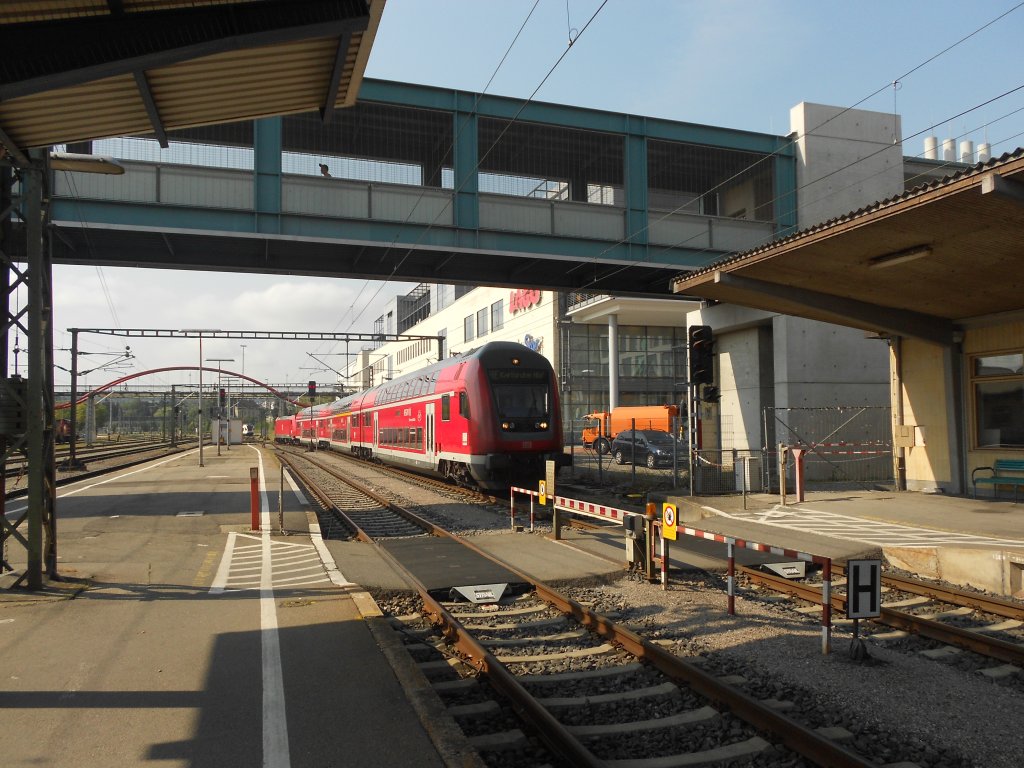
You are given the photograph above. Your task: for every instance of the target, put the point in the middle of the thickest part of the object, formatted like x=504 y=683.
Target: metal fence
x=845 y=447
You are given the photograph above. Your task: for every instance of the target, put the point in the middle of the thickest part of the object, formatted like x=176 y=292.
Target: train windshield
x=520 y=393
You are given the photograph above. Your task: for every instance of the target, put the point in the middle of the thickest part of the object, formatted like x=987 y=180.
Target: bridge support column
x=267 y=174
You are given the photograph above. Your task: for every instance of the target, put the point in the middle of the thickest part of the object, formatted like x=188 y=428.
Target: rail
x=603 y=512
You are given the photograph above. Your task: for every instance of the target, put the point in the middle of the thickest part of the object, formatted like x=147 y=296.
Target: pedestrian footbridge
x=433 y=185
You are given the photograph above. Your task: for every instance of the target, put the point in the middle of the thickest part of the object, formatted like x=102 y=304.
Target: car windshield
x=659 y=438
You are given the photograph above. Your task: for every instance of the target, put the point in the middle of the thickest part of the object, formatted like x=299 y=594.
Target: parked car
x=645 y=446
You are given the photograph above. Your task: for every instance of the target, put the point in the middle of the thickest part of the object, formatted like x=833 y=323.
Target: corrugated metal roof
x=253 y=59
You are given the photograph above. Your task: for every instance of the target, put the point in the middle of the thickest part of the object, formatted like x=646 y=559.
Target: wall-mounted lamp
x=69 y=161
x=900 y=257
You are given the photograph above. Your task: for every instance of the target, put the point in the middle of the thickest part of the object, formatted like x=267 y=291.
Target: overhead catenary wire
x=451 y=146
x=596 y=260
x=650 y=260
x=511 y=121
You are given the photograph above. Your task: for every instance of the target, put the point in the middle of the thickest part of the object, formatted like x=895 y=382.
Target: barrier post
x=664 y=563
x=254 y=497
x=531 y=512
x=782 y=473
x=731 y=579
x=826 y=606
x=280 y=500
x=512 y=506
x=649 y=541
x=798 y=463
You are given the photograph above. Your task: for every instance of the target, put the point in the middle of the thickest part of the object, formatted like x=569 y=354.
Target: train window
x=463 y=405
x=446 y=407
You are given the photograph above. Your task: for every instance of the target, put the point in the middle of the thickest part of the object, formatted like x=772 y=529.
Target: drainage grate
x=190 y=514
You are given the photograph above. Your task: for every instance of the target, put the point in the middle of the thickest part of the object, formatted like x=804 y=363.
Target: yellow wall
x=926 y=403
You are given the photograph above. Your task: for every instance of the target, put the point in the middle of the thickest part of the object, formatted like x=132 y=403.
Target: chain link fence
x=844 y=447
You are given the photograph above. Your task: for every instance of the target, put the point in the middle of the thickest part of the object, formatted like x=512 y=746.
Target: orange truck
x=599 y=429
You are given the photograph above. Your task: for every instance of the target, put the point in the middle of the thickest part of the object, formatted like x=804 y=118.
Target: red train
x=488 y=418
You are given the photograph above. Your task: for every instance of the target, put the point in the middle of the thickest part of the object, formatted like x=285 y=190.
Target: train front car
x=284 y=429
x=518 y=425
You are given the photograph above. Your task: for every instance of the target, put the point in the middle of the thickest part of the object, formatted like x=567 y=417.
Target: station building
x=779 y=378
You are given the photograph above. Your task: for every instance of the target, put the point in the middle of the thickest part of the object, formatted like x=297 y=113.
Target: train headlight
x=542 y=425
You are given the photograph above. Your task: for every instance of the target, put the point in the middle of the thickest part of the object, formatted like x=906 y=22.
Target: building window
x=999 y=400
x=481 y=322
x=497 y=315
x=467 y=327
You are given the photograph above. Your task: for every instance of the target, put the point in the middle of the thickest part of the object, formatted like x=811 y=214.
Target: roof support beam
x=331 y=99
x=999 y=186
x=142 y=83
x=87 y=48
x=859 y=314
x=19 y=157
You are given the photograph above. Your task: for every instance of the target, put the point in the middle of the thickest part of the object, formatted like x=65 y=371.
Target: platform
x=180 y=636
x=975 y=542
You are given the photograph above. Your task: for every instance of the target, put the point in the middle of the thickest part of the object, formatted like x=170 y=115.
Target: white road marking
x=833 y=525
x=275 y=724
x=108 y=480
x=221 y=579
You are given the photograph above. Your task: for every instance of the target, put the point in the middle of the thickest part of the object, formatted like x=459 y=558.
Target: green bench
x=1001 y=476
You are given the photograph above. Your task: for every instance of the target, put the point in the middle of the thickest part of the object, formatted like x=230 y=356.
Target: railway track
x=937 y=621
x=462 y=493
x=544 y=680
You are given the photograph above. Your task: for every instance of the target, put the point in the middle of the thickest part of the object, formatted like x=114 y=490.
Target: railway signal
x=702 y=356
x=311 y=391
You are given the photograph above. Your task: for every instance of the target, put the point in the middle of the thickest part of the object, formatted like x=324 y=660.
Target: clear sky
x=734 y=63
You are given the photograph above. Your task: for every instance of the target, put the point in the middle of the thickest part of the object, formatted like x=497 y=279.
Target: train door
x=431 y=446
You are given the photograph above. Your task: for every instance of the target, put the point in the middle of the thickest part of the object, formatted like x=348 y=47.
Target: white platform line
x=221 y=579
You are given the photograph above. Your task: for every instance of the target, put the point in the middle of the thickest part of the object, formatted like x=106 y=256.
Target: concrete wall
x=819 y=364
x=741 y=371
x=999 y=571
x=846 y=159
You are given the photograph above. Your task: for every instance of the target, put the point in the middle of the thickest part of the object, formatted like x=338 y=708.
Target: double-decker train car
x=489 y=417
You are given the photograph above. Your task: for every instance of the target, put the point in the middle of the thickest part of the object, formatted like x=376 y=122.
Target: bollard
x=731 y=578
x=826 y=606
x=254 y=497
x=798 y=462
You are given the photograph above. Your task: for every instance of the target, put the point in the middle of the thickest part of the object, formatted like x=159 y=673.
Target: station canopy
x=925 y=264
x=77 y=70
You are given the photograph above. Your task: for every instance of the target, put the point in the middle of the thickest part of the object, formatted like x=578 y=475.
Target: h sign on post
x=863 y=589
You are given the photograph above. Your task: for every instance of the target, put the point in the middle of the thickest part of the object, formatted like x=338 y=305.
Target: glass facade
x=652 y=369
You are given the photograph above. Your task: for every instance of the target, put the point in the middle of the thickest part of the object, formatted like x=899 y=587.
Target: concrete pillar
x=613 y=362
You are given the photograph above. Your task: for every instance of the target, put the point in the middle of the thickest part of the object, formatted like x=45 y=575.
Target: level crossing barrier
x=603 y=512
